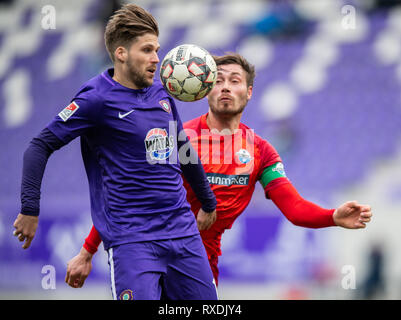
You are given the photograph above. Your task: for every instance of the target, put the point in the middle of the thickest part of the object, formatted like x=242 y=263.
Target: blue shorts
x=173 y=269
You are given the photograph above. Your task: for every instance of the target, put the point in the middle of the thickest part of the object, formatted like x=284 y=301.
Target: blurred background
x=327 y=96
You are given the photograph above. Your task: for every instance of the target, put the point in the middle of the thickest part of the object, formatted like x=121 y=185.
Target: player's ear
x=249 y=92
x=121 y=54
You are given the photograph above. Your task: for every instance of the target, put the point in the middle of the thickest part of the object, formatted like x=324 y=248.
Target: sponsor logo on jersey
x=165 y=105
x=126 y=295
x=123 y=115
x=227 y=180
x=68 y=111
x=159 y=145
x=244 y=156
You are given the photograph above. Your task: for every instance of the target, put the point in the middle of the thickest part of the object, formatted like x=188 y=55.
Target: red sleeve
x=268 y=155
x=298 y=210
x=274 y=184
x=92 y=241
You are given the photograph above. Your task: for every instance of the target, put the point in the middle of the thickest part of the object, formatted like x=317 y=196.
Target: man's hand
x=205 y=220
x=25 y=228
x=352 y=215
x=78 y=269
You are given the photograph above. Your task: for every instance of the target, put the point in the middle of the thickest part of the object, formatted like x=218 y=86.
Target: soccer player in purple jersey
x=129 y=126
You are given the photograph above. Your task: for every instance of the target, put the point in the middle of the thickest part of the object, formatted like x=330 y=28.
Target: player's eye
x=148 y=49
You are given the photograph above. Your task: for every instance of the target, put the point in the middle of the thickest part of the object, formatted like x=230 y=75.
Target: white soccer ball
x=188 y=72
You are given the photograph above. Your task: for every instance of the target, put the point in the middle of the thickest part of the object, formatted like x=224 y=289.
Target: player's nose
x=223 y=85
x=155 y=58
x=225 y=88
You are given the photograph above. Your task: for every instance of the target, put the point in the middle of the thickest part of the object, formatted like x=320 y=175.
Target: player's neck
x=221 y=123
x=120 y=77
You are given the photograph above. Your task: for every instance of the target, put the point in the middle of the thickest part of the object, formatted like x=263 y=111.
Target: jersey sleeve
x=268 y=154
x=299 y=211
x=34 y=164
x=92 y=241
x=82 y=114
x=176 y=116
x=192 y=167
x=272 y=173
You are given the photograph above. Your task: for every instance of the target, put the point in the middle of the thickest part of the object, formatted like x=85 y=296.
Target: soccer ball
x=188 y=72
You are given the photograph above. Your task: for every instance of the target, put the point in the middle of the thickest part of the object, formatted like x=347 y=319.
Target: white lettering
x=49 y=280
x=348 y=281
x=49 y=18
x=349 y=20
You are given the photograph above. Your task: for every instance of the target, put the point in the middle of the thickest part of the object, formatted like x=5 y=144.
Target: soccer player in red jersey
x=235 y=159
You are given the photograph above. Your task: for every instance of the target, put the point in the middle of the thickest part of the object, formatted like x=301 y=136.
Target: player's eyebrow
x=151 y=45
x=222 y=70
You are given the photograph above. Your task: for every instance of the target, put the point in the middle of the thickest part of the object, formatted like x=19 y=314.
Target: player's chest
x=138 y=119
x=228 y=162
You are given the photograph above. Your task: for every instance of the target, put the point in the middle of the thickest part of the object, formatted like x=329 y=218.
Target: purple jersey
x=129 y=146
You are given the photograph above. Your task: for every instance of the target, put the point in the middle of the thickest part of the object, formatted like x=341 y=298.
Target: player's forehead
x=147 y=39
x=227 y=70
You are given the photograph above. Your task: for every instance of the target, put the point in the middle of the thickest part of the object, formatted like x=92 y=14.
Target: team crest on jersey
x=165 y=105
x=279 y=168
x=68 y=111
x=126 y=295
x=244 y=156
x=159 y=145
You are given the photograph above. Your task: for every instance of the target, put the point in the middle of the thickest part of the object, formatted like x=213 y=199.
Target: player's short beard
x=227 y=111
x=136 y=77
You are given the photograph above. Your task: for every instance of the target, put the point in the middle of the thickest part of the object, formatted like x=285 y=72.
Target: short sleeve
x=79 y=116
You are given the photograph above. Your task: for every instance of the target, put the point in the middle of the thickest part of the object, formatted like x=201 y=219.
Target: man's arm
x=195 y=175
x=34 y=164
x=79 y=267
x=301 y=212
x=304 y=213
x=92 y=241
x=83 y=113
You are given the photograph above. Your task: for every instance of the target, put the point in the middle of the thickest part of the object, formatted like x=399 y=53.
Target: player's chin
x=145 y=83
x=149 y=80
x=229 y=110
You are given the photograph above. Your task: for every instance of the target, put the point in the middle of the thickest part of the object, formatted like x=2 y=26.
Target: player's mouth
x=151 y=71
x=225 y=99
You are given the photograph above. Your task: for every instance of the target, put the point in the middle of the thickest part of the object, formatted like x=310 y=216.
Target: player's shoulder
x=259 y=141
x=194 y=124
x=157 y=89
x=158 y=86
x=157 y=92
x=95 y=88
x=251 y=132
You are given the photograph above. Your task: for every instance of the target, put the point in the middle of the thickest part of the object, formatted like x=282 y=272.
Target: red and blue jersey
x=233 y=163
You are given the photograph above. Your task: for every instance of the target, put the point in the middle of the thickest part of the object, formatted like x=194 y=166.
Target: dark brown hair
x=235 y=58
x=126 y=24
